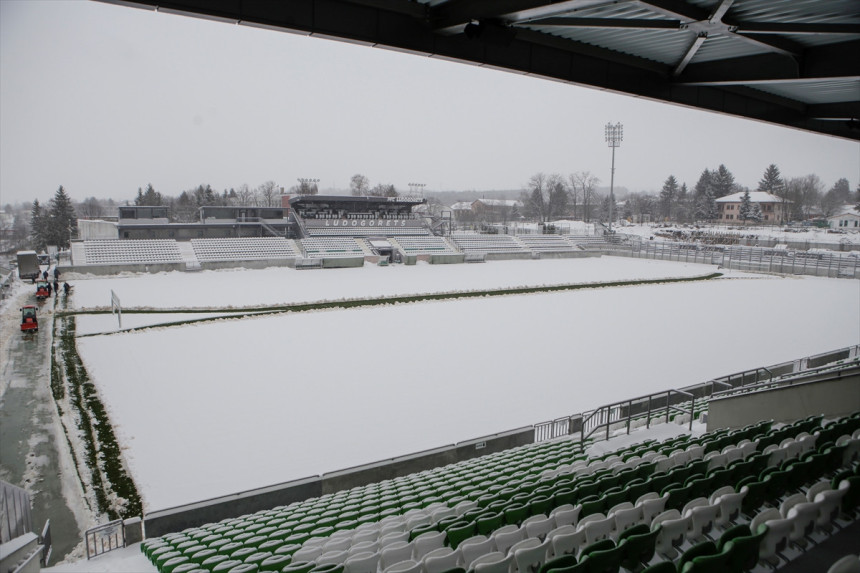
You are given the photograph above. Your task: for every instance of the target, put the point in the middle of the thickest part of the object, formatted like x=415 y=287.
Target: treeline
x=551 y=197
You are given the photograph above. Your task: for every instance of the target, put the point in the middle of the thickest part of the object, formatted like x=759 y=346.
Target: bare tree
x=534 y=198
x=90 y=208
x=268 y=193
x=804 y=194
x=245 y=196
x=586 y=185
x=359 y=184
x=573 y=191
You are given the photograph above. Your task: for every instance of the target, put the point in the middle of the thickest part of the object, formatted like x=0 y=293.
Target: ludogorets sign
x=365 y=223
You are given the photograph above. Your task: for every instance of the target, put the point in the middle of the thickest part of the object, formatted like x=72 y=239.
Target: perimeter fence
x=754 y=259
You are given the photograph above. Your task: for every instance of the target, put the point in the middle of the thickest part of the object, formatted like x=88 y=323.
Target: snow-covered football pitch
x=209 y=409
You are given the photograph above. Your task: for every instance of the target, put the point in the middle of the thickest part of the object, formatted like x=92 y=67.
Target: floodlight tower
x=614 y=135
x=306 y=183
x=417 y=189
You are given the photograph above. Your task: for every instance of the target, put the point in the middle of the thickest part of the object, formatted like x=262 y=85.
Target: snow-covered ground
x=211 y=409
x=800 y=234
x=237 y=288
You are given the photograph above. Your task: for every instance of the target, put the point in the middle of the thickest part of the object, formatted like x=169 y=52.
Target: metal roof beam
x=451 y=17
x=796 y=28
x=821 y=62
x=699 y=20
x=608 y=23
x=715 y=19
x=691 y=52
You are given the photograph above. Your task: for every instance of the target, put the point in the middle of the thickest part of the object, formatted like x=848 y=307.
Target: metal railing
x=651 y=406
x=822 y=373
x=664 y=403
x=104 y=538
x=45 y=541
x=752 y=259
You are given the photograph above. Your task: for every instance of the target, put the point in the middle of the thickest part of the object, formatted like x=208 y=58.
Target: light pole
x=417 y=189
x=306 y=183
x=614 y=135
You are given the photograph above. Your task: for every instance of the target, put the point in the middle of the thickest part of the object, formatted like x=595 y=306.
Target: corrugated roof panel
x=664 y=46
x=796 y=11
x=814 y=91
x=721 y=47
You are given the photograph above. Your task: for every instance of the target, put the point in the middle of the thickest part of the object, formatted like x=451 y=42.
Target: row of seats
x=115 y=251
x=547 y=243
x=243 y=248
x=331 y=246
x=429 y=244
x=473 y=243
x=447 y=509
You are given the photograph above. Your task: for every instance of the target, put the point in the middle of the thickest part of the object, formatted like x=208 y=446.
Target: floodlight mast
x=614 y=135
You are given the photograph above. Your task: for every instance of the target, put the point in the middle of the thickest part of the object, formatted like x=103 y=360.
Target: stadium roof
x=789 y=62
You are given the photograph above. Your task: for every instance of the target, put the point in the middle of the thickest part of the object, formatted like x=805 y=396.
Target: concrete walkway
x=30 y=431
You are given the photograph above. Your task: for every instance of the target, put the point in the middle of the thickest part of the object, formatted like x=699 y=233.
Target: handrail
x=605 y=416
x=615 y=412
x=796 y=378
x=103 y=538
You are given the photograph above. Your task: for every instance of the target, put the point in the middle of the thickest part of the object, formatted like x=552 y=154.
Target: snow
x=244 y=288
x=126 y=560
x=210 y=409
x=802 y=234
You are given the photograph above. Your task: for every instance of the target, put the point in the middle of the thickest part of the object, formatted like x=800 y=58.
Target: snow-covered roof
x=755 y=197
x=500 y=202
x=462 y=206
x=845 y=211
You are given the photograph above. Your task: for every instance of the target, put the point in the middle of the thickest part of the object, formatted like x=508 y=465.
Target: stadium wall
x=833 y=396
x=568 y=255
x=508 y=256
x=104 y=270
x=213 y=510
x=248 y=264
x=165 y=521
x=429 y=459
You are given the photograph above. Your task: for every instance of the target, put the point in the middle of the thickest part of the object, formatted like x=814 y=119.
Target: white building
x=847 y=219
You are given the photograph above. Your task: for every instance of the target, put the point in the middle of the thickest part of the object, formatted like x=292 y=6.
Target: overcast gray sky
x=105 y=99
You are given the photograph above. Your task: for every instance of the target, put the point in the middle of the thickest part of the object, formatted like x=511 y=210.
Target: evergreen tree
x=746 y=206
x=667 y=196
x=682 y=205
x=705 y=181
x=756 y=215
x=38 y=221
x=706 y=207
x=150 y=197
x=63 y=222
x=723 y=182
x=771 y=182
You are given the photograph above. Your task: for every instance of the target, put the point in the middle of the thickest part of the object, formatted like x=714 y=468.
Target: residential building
x=773 y=209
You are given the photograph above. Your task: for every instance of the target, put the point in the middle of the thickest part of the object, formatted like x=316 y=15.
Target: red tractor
x=43 y=290
x=28 y=318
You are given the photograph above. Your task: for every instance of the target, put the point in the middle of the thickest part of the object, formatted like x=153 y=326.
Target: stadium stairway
x=754 y=498
x=186 y=251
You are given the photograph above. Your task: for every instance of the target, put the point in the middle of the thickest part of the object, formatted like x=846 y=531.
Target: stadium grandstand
x=340 y=230
x=743 y=473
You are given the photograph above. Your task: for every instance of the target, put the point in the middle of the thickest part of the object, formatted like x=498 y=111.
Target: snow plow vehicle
x=28 y=318
x=43 y=290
